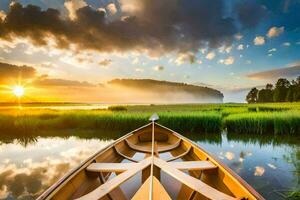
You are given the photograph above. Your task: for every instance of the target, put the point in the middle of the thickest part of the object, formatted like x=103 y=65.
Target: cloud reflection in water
x=25 y=172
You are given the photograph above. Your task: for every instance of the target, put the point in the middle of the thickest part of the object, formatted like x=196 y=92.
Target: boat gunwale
x=51 y=191
x=74 y=171
x=219 y=163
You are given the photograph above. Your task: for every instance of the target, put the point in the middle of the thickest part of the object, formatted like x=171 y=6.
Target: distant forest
x=161 y=87
x=284 y=91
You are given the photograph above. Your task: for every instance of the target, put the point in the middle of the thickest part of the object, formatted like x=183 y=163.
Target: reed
x=264 y=122
x=105 y=121
x=279 y=118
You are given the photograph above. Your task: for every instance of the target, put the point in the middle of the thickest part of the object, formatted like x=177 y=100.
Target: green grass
x=261 y=122
x=278 y=118
x=105 y=121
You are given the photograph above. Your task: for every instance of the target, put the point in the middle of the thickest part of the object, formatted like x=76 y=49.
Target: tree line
x=284 y=91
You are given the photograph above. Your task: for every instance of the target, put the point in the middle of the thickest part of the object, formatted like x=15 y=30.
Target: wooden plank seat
x=121 y=167
x=193 y=165
x=111 y=167
x=130 y=169
x=146 y=149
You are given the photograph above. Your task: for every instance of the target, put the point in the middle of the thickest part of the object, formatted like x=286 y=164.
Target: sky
x=63 y=47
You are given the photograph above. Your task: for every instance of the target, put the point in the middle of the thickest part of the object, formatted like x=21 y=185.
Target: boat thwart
x=140 y=164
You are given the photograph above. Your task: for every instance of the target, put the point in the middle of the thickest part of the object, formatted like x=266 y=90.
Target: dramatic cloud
x=105 y=62
x=250 y=13
x=28 y=74
x=72 y=6
x=275 y=31
x=259 y=40
x=292 y=70
x=14 y=72
x=151 y=26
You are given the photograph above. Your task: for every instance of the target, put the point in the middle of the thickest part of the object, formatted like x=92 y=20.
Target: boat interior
x=127 y=169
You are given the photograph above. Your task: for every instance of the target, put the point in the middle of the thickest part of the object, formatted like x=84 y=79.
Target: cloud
x=259 y=40
x=275 y=31
x=240 y=47
x=185 y=57
x=135 y=61
x=189 y=25
x=286 y=44
x=14 y=72
x=211 y=55
x=225 y=49
x=291 y=70
x=158 y=68
x=272 y=50
x=72 y=6
x=2 y=15
x=238 y=36
x=61 y=82
x=139 y=70
x=229 y=60
x=245 y=10
x=112 y=9
x=105 y=62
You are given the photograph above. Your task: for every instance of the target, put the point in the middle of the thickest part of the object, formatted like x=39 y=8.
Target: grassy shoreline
x=238 y=118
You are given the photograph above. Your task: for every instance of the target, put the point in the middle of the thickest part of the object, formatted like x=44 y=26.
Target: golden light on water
x=18 y=91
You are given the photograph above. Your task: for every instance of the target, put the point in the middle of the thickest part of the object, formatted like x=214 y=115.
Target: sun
x=18 y=91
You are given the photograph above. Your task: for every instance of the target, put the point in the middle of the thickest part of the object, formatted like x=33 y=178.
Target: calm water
x=28 y=165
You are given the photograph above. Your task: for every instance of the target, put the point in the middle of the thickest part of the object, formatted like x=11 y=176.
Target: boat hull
x=107 y=174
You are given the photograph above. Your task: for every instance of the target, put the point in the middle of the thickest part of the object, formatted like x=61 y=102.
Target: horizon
x=54 y=49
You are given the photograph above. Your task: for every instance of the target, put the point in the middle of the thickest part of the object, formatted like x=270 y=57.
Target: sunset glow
x=18 y=91
x=224 y=49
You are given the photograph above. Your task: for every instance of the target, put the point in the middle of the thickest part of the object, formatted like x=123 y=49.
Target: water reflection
x=270 y=164
x=26 y=171
x=30 y=164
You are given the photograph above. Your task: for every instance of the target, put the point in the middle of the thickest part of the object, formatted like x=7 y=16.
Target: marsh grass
x=117 y=108
x=108 y=121
x=261 y=122
x=240 y=118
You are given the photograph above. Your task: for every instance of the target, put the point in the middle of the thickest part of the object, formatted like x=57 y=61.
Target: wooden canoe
x=137 y=167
